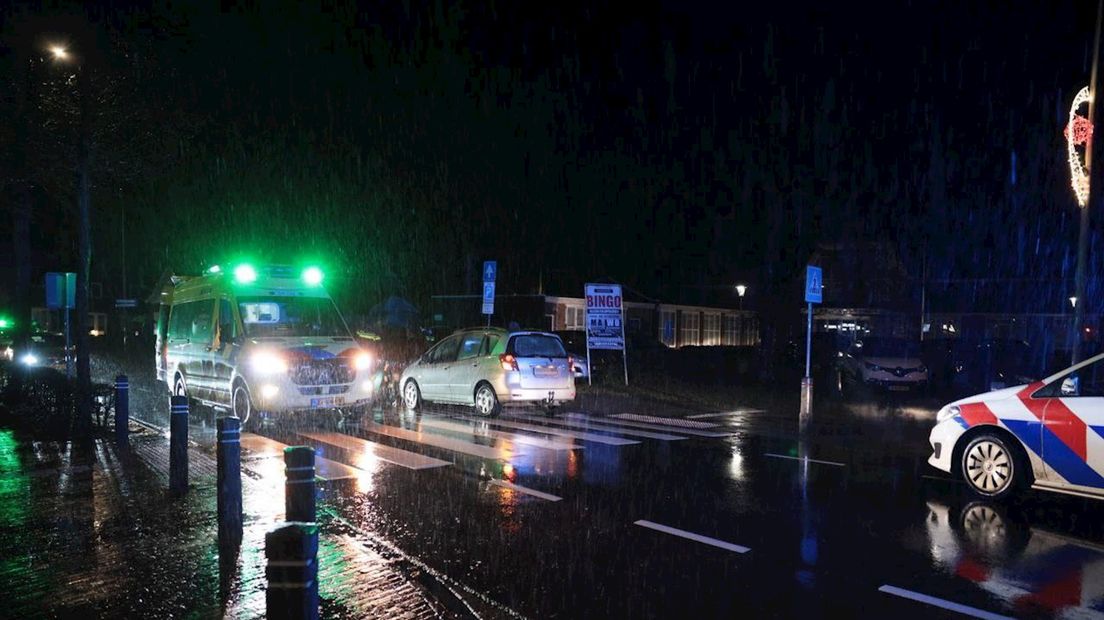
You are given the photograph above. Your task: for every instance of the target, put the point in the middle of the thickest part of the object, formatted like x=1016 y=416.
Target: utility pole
x=1096 y=194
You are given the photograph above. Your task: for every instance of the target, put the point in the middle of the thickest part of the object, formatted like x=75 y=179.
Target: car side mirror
x=1069 y=387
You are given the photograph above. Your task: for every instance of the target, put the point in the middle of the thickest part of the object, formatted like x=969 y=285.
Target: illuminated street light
x=740 y=290
x=59 y=52
x=1073 y=302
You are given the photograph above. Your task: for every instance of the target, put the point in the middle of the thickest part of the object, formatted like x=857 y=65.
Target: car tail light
x=570 y=364
x=509 y=362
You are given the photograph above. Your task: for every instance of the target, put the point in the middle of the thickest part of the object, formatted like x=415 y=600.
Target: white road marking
x=603 y=429
x=388 y=454
x=724 y=413
x=797 y=458
x=692 y=536
x=657 y=427
x=263 y=447
x=460 y=427
x=520 y=489
x=941 y=603
x=548 y=430
x=655 y=419
x=440 y=441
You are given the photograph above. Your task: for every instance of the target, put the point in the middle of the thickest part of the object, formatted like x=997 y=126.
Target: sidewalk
x=93 y=532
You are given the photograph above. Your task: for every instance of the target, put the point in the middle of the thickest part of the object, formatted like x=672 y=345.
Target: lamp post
x=740 y=290
x=84 y=240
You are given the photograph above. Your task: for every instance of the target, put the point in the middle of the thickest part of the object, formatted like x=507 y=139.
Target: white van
x=264 y=339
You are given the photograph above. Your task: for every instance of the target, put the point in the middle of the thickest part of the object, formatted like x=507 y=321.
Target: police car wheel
x=990 y=467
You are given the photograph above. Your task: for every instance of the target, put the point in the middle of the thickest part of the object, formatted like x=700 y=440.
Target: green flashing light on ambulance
x=253 y=339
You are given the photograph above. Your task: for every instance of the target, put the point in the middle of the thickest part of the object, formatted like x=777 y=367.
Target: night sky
x=675 y=147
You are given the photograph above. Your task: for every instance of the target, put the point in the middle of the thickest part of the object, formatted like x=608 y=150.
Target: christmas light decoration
x=1079 y=136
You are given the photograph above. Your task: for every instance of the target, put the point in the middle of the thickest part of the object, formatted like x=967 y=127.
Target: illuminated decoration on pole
x=1078 y=141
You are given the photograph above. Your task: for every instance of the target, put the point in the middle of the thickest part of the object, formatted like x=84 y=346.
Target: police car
x=1047 y=435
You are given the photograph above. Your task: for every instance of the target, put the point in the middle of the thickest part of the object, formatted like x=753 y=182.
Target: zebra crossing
x=442 y=439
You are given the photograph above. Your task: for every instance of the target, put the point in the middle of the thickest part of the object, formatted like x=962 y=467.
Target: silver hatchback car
x=489 y=367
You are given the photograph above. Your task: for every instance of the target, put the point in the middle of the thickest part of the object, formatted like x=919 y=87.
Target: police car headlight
x=947 y=413
x=269 y=363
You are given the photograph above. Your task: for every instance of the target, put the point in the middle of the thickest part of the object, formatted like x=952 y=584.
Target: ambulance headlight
x=269 y=363
x=362 y=361
x=947 y=413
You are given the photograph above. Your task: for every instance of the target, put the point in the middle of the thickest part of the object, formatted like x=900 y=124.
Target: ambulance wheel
x=243 y=406
x=992 y=466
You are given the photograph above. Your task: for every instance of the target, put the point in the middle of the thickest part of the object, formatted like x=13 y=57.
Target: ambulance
x=1047 y=435
x=259 y=341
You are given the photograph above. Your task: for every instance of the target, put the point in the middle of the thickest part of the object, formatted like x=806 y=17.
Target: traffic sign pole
x=813 y=295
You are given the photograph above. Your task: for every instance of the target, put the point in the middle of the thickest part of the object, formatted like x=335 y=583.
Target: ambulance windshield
x=290 y=317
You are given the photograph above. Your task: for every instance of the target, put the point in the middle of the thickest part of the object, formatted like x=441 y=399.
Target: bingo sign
x=605 y=329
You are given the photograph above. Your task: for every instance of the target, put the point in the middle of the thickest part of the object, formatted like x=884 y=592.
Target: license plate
x=898 y=388
x=327 y=402
x=546 y=371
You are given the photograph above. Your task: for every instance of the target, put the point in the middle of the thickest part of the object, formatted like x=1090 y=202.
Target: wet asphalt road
x=570 y=517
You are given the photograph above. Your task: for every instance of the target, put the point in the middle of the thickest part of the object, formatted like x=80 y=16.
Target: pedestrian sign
x=490 y=270
x=814 y=283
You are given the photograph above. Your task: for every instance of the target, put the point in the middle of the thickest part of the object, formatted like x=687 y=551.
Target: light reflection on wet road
x=827 y=523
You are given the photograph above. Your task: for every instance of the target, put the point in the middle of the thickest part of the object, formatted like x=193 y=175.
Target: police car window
x=469 y=346
x=1083 y=382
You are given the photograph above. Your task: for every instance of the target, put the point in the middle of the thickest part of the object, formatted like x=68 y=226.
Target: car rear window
x=538 y=345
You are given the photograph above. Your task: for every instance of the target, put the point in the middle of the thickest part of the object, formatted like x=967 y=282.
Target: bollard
x=292 y=572
x=122 y=410
x=178 y=446
x=228 y=458
x=299 y=485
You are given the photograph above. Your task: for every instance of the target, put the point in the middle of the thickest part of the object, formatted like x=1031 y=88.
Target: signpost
x=490 y=272
x=605 y=325
x=61 y=294
x=814 y=284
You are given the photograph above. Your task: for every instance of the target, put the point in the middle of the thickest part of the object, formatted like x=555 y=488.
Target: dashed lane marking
x=798 y=458
x=942 y=603
x=520 y=489
x=674 y=531
x=388 y=454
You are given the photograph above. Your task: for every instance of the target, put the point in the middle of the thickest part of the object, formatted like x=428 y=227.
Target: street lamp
x=59 y=52
x=740 y=290
x=1073 y=302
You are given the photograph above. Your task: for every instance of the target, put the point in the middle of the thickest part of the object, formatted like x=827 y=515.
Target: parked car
x=487 y=368
x=1043 y=435
x=43 y=350
x=890 y=363
x=992 y=364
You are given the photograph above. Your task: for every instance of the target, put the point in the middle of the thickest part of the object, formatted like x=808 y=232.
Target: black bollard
x=299 y=485
x=228 y=457
x=292 y=572
x=122 y=410
x=178 y=446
